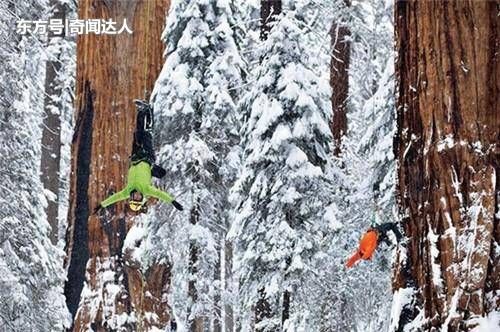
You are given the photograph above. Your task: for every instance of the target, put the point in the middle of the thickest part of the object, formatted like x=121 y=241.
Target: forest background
x=287 y=128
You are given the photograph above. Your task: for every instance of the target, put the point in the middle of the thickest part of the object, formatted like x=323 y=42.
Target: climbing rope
x=146 y=97
x=146 y=61
x=376 y=210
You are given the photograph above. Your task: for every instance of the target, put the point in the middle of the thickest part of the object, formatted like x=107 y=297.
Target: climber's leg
x=383 y=229
x=158 y=171
x=142 y=148
x=394 y=228
x=146 y=111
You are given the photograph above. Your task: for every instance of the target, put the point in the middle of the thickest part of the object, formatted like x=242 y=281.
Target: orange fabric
x=368 y=244
x=354 y=258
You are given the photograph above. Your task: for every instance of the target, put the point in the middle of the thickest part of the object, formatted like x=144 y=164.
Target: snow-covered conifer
x=31 y=273
x=197 y=135
x=284 y=187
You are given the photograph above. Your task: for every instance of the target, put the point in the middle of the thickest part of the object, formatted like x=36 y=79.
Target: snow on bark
x=339 y=75
x=106 y=287
x=446 y=145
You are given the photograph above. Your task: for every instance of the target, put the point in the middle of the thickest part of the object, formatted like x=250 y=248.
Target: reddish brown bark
x=112 y=70
x=447 y=146
x=339 y=81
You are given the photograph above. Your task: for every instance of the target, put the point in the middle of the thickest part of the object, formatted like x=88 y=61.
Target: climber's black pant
x=142 y=149
x=383 y=229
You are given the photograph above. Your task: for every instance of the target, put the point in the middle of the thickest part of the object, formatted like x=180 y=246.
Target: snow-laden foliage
x=280 y=215
x=296 y=217
x=31 y=273
x=358 y=299
x=368 y=156
x=196 y=126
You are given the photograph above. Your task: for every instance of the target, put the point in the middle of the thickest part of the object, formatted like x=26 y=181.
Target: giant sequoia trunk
x=449 y=162
x=112 y=70
x=51 y=135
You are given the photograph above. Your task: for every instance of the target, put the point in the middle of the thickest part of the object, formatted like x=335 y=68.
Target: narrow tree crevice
x=79 y=251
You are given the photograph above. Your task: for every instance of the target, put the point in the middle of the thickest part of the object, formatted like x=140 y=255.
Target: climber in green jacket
x=142 y=168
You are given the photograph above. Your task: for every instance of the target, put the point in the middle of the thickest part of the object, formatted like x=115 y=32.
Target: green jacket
x=138 y=178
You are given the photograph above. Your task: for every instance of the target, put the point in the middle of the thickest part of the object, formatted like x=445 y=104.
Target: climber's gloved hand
x=101 y=212
x=142 y=105
x=97 y=209
x=177 y=205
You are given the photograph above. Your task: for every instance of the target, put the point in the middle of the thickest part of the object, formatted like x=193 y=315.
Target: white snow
x=433 y=239
x=330 y=216
x=452 y=309
x=401 y=298
x=281 y=134
x=50 y=195
x=447 y=143
x=296 y=157
x=490 y=323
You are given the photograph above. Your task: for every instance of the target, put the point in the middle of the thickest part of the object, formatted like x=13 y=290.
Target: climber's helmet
x=136 y=201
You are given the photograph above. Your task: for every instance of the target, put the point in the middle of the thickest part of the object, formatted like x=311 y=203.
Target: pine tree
x=359 y=299
x=31 y=273
x=279 y=216
x=194 y=101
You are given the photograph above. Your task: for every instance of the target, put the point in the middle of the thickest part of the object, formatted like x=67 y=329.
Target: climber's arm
x=119 y=196
x=383 y=229
x=397 y=233
x=353 y=259
x=157 y=193
x=166 y=197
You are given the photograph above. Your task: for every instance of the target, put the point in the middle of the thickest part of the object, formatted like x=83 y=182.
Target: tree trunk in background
x=51 y=132
x=228 y=282
x=263 y=309
x=449 y=161
x=195 y=320
x=269 y=9
x=339 y=81
x=285 y=312
x=112 y=70
x=217 y=321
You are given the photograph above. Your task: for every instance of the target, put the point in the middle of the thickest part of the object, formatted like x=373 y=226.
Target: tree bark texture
x=269 y=9
x=339 y=81
x=448 y=162
x=196 y=321
x=112 y=70
x=263 y=309
x=217 y=319
x=228 y=282
x=51 y=131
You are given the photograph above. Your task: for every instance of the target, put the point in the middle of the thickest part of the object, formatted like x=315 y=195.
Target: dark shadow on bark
x=80 y=252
